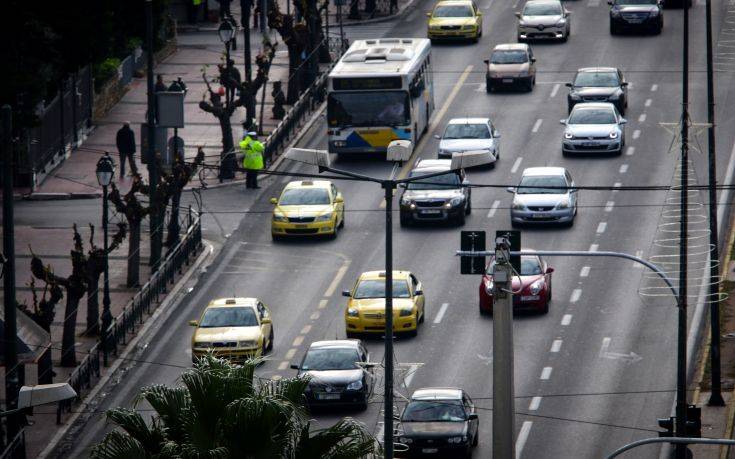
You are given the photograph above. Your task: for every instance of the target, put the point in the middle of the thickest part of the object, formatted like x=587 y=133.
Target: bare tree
x=134 y=212
x=43 y=314
x=181 y=174
x=296 y=37
x=95 y=267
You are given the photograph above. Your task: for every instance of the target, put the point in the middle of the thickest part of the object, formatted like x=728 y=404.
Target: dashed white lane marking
x=283 y=365
x=516 y=165
x=601 y=227
x=410 y=374
x=276 y=377
x=493 y=209
x=537 y=125
x=605 y=347
x=639 y=254
x=615 y=186
x=594 y=247
x=585 y=271
x=315 y=316
x=566 y=319
x=648 y=102
x=609 y=206
x=306 y=329
x=636 y=133
x=546 y=373
x=556 y=345
x=654 y=88
x=290 y=353
x=480 y=87
x=623 y=168
x=522 y=438
x=322 y=304
x=642 y=118
x=337 y=279
x=382 y=204
x=381 y=431
x=440 y=314
x=576 y=293
x=535 y=403
x=297 y=341
x=593 y=3
x=630 y=151
x=555 y=89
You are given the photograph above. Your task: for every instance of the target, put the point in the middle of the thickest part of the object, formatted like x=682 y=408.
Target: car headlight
x=564 y=204
x=355 y=385
x=468 y=27
x=574 y=96
x=615 y=13
x=519 y=205
x=353 y=312
x=489 y=286
x=457 y=439
x=248 y=343
x=202 y=344
x=536 y=287
x=405 y=201
x=561 y=22
x=279 y=218
x=654 y=13
x=614 y=135
x=522 y=23
x=323 y=217
x=406 y=312
x=568 y=135
x=405 y=440
x=444 y=152
x=455 y=201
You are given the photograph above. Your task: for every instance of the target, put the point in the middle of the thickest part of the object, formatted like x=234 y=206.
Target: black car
x=599 y=84
x=440 y=198
x=438 y=421
x=647 y=15
x=339 y=371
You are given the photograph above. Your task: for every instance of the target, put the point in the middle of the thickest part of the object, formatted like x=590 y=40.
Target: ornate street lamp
x=105 y=171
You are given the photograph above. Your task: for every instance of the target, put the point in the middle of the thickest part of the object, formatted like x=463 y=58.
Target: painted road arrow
x=605 y=353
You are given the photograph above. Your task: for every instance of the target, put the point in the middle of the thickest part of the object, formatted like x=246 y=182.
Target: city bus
x=381 y=90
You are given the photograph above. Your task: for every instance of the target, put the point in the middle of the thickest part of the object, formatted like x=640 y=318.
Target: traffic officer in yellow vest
x=252 y=160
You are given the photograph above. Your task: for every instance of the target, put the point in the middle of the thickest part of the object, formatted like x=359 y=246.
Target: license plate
x=431 y=212
x=429 y=450
x=300 y=225
x=538 y=215
x=530 y=298
x=327 y=396
x=507 y=80
x=635 y=20
x=589 y=144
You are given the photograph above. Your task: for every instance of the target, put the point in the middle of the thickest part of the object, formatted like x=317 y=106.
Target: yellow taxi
x=308 y=208
x=455 y=19
x=233 y=328
x=365 y=312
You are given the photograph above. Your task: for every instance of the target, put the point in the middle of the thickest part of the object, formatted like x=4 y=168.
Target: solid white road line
x=522 y=438
x=409 y=375
x=546 y=373
x=594 y=247
x=648 y=102
x=654 y=88
x=630 y=151
x=440 y=314
x=337 y=279
x=516 y=165
x=493 y=209
x=556 y=345
x=566 y=320
x=555 y=89
x=636 y=133
x=623 y=168
x=584 y=272
x=601 y=227
x=535 y=402
x=609 y=206
x=537 y=125
x=642 y=118
x=576 y=293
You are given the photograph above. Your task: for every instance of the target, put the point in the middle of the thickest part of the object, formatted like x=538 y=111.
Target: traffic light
x=668 y=424
x=694 y=422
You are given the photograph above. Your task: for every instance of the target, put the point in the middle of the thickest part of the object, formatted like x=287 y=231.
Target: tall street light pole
x=155 y=216
x=715 y=398
x=105 y=171
x=9 y=328
x=245 y=6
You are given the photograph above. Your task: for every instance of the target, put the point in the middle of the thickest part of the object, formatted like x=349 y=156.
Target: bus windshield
x=374 y=108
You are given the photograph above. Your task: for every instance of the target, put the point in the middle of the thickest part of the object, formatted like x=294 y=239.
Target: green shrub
x=105 y=70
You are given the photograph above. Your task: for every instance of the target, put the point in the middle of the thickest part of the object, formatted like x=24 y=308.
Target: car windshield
x=466 y=131
x=597 y=79
x=592 y=116
x=375 y=288
x=330 y=359
x=636 y=2
x=304 y=197
x=434 y=411
x=530 y=266
x=551 y=184
x=509 y=57
x=447 y=181
x=229 y=317
x=542 y=9
x=373 y=108
x=453 y=11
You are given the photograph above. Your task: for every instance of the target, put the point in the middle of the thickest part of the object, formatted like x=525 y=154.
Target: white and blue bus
x=381 y=90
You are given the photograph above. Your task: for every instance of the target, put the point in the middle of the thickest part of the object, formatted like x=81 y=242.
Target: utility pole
x=245 y=6
x=10 y=331
x=681 y=394
x=715 y=398
x=388 y=186
x=155 y=215
x=503 y=392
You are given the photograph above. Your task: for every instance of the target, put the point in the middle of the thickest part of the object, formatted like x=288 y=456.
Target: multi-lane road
x=578 y=396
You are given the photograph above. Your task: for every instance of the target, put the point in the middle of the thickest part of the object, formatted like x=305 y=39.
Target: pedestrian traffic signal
x=668 y=424
x=694 y=422
x=472 y=241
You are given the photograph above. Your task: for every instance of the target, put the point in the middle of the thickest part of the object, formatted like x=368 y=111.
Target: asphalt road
x=574 y=400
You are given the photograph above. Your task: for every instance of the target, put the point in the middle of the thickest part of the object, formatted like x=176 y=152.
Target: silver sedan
x=594 y=128
x=544 y=195
x=543 y=19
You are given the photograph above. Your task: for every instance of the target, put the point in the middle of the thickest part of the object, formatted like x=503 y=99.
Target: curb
x=132 y=346
x=60 y=196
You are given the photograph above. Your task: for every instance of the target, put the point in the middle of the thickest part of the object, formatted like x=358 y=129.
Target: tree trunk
x=46 y=368
x=173 y=222
x=68 y=339
x=292 y=88
x=134 y=253
x=93 y=306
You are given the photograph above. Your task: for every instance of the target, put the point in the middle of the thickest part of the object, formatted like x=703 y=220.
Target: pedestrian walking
x=160 y=85
x=224 y=10
x=126 y=147
x=252 y=161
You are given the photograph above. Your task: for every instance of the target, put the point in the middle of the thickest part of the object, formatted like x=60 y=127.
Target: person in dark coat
x=126 y=147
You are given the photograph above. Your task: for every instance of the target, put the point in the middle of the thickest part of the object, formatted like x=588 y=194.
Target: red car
x=534 y=284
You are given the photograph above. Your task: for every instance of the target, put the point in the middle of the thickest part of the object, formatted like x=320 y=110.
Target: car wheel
x=270 y=341
x=333 y=235
x=405 y=220
x=564 y=152
x=521 y=40
x=468 y=209
x=514 y=224
x=545 y=308
x=570 y=223
x=613 y=29
x=488 y=86
x=476 y=440
x=423 y=315
x=529 y=86
x=275 y=237
x=461 y=219
x=413 y=333
x=351 y=335
x=658 y=29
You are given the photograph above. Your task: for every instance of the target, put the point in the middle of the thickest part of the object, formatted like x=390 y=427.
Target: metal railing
x=16 y=449
x=132 y=315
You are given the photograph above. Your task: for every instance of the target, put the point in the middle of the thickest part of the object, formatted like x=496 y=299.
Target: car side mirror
x=437 y=136
x=396 y=417
x=487 y=61
x=533 y=59
x=609 y=2
x=339 y=199
x=549 y=270
x=419 y=292
x=472 y=416
x=265 y=320
x=510 y=189
x=624 y=84
x=402 y=185
x=496 y=134
x=623 y=121
x=573 y=190
x=194 y=323
x=274 y=201
x=479 y=14
x=568 y=85
x=518 y=14
x=294 y=366
x=567 y=13
x=564 y=121
x=428 y=14
x=346 y=293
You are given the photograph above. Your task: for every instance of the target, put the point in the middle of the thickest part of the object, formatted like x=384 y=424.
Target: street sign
x=472 y=241
x=170 y=105
x=514 y=237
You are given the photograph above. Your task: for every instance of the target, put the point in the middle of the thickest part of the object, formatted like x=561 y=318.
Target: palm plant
x=221 y=411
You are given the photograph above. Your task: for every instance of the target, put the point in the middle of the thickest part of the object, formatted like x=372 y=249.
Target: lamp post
x=226 y=33
x=105 y=171
x=398 y=151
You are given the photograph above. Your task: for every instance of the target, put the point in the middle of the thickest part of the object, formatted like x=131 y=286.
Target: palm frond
x=347 y=439
x=150 y=438
x=172 y=405
x=118 y=445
